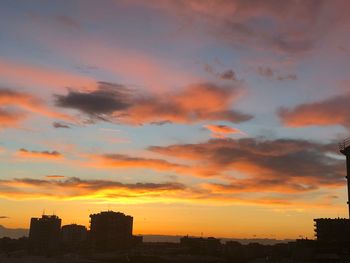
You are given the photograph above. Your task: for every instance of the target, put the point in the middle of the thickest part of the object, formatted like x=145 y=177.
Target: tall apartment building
x=336 y=229
x=45 y=234
x=110 y=230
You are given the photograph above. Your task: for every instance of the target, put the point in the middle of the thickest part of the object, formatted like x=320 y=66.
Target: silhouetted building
x=44 y=234
x=344 y=148
x=332 y=230
x=336 y=229
x=199 y=245
x=73 y=235
x=137 y=240
x=110 y=230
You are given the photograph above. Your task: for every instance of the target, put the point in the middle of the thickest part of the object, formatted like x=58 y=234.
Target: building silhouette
x=200 y=245
x=332 y=230
x=111 y=230
x=336 y=230
x=73 y=236
x=44 y=234
x=344 y=148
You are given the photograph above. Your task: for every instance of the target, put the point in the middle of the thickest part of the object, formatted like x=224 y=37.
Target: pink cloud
x=27 y=102
x=143 y=69
x=29 y=75
x=332 y=111
x=24 y=103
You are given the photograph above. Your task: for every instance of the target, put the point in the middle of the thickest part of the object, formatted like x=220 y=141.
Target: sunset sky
x=219 y=118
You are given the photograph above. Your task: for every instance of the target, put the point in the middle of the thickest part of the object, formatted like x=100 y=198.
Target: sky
x=201 y=117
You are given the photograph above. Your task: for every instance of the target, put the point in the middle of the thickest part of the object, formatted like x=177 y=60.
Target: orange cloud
x=73 y=188
x=220 y=131
x=24 y=101
x=332 y=111
x=125 y=161
x=10 y=118
x=54 y=176
x=276 y=165
x=280 y=166
x=194 y=103
x=252 y=185
x=24 y=153
x=120 y=161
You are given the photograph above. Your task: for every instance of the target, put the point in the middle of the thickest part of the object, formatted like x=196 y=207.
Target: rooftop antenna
x=344 y=148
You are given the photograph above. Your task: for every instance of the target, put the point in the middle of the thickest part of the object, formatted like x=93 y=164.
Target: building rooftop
x=106 y=213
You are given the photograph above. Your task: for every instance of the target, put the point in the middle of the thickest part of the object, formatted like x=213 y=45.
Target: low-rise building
x=73 y=236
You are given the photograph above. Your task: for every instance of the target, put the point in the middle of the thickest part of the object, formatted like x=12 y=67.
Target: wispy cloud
x=74 y=188
x=51 y=155
x=194 y=103
x=283 y=165
x=240 y=22
x=125 y=161
x=55 y=176
x=60 y=125
x=31 y=75
x=270 y=73
x=221 y=131
x=15 y=106
x=332 y=111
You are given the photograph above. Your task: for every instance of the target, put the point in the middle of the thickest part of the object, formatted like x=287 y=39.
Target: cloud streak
x=125 y=161
x=221 y=131
x=269 y=73
x=55 y=176
x=50 y=155
x=332 y=111
x=15 y=105
x=283 y=165
x=10 y=118
x=60 y=125
x=76 y=188
x=194 y=103
x=31 y=75
x=96 y=190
